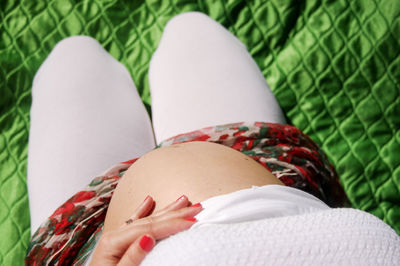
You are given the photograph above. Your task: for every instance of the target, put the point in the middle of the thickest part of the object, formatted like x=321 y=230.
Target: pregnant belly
x=199 y=170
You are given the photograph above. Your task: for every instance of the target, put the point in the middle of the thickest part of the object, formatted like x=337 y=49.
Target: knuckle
x=107 y=239
x=150 y=225
x=171 y=214
x=134 y=255
x=182 y=211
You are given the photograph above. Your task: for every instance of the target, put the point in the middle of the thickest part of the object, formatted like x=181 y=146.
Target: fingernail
x=146 y=198
x=191 y=219
x=146 y=243
x=181 y=198
x=196 y=205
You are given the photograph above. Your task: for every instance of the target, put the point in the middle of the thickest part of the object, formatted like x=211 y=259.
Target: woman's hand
x=129 y=244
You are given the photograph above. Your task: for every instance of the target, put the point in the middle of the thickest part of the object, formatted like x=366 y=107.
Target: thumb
x=137 y=251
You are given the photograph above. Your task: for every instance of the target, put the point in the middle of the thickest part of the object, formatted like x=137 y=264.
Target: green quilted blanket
x=333 y=65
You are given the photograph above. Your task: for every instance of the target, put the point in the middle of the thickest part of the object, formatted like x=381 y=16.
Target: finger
x=158 y=227
x=180 y=213
x=180 y=203
x=165 y=228
x=148 y=208
x=144 y=210
x=190 y=211
x=137 y=251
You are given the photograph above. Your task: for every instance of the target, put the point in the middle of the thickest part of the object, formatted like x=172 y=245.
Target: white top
x=278 y=225
x=257 y=203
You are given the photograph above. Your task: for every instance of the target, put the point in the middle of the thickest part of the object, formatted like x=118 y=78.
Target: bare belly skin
x=199 y=170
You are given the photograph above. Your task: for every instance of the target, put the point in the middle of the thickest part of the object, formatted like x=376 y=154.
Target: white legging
x=87 y=115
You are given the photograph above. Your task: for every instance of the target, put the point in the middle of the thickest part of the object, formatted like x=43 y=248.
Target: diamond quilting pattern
x=333 y=65
x=351 y=82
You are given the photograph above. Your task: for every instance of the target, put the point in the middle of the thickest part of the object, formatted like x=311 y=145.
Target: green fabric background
x=333 y=65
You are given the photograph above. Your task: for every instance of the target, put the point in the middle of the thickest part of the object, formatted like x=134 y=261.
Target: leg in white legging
x=201 y=75
x=86 y=115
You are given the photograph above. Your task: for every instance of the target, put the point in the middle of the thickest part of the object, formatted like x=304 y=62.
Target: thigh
x=86 y=115
x=201 y=75
x=200 y=170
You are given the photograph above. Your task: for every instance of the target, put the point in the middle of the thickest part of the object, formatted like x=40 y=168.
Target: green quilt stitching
x=333 y=65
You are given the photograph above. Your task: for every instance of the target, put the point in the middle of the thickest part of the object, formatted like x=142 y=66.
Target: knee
x=196 y=29
x=189 y=17
x=73 y=52
x=189 y=22
x=75 y=46
x=77 y=53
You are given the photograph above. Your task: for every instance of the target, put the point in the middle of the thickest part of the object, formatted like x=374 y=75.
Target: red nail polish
x=196 y=205
x=146 y=243
x=146 y=198
x=191 y=219
x=181 y=198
